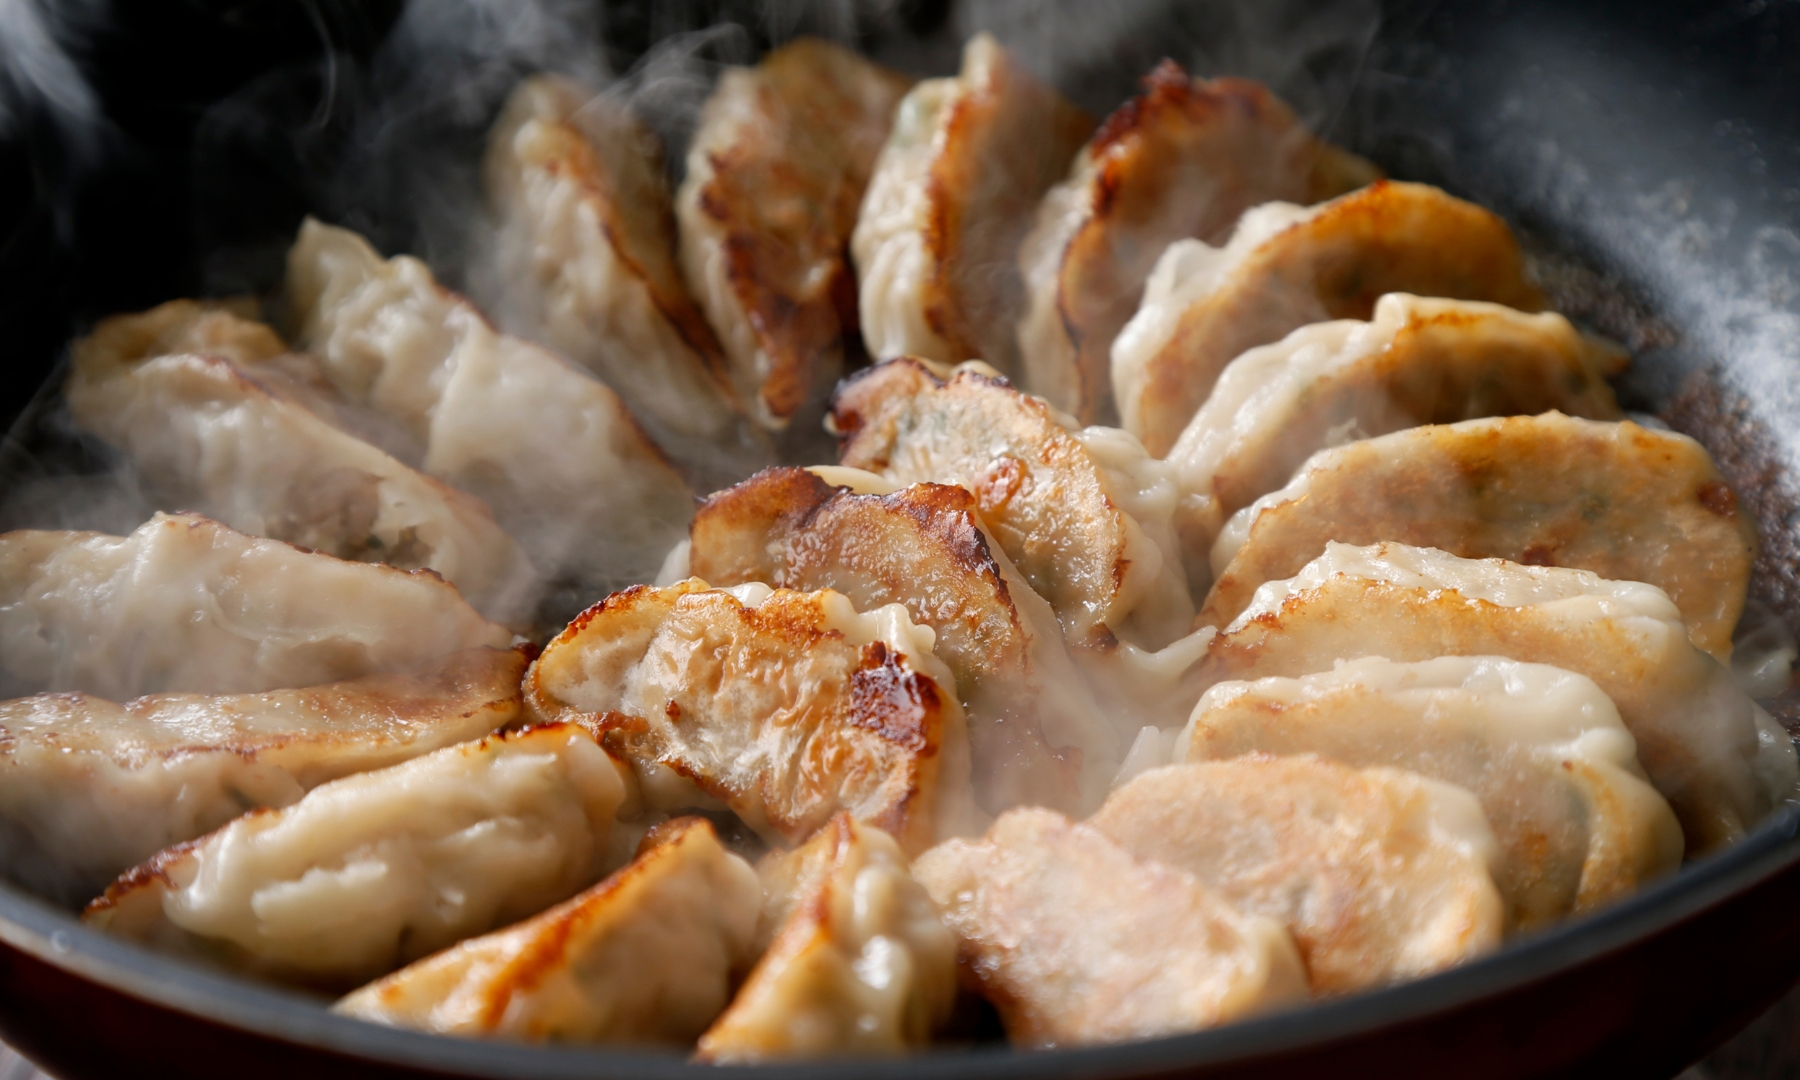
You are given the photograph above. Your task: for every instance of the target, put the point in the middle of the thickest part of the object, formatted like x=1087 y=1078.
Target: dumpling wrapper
x=185 y=603
x=1543 y=749
x=218 y=433
x=1183 y=159
x=1719 y=759
x=375 y=870
x=859 y=962
x=1075 y=941
x=1287 y=266
x=785 y=706
x=951 y=199
x=1628 y=503
x=646 y=957
x=775 y=173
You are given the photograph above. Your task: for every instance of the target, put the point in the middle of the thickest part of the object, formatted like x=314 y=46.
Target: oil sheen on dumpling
x=785 y=706
x=1286 y=266
x=185 y=603
x=1719 y=759
x=775 y=174
x=859 y=962
x=646 y=957
x=376 y=870
x=1543 y=749
x=1075 y=941
x=1626 y=502
x=1182 y=159
x=951 y=199
x=92 y=787
x=210 y=432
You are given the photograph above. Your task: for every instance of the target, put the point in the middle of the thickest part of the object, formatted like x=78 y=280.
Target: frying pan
x=1649 y=153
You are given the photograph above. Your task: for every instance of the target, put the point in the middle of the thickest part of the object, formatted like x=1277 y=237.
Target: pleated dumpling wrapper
x=94 y=787
x=1381 y=875
x=775 y=173
x=1719 y=759
x=784 y=706
x=549 y=447
x=858 y=963
x=1286 y=266
x=647 y=957
x=1543 y=749
x=1183 y=159
x=376 y=870
x=190 y=392
x=185 y=603
x=1626 y=502
x=1076 y=941
x=951 y=199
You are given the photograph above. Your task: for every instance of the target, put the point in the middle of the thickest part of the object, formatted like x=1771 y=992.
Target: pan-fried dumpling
x=375 y=870
x=90 y=787
x=549 y=447
x=1543 y=749
x=1075 y=941
x=859 y=963
x=1182 y=159
x=214 y=434
x=1720 y=761
x=1418 y=361
x=1287 y=266
x=951 y=199
x=185 y=603
x=646 y=957
x=785 y=706
x=1628 y=503
x=775 y=174
x=1381 y=875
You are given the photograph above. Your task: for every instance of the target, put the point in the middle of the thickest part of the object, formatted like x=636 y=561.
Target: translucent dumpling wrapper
x=1719 y=759
x=775 y=173
x=1286 y=266
x=646 y=957
x=376 y=870
x=1543 y=749
x=1381 y=875
x=1183 y=159
x=185 y=603
x=1628 y=503
x=951 y=199
x=785 y=706
x=1076 y=941
x=858 y=963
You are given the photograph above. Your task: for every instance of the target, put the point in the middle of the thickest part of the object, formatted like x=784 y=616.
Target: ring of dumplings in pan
x=1373 y=637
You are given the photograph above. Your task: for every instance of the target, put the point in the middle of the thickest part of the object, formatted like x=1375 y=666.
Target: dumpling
x=376 y=870
x=1287 y=266
x=859 y=963
x=1075 y=941
x=784 y=706
x=952 y=197
x=185 y=603
x=775 y=174
x=1082 y=514
x=1720 y=761
x=1417 y=361
x=1628 y=503
x=1381 y=875
x=549 y=447
x=646 y=957
x=212 y=433
x=1182 y=159
x=91 y=787
x=584 y=260
x=1543 y=749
